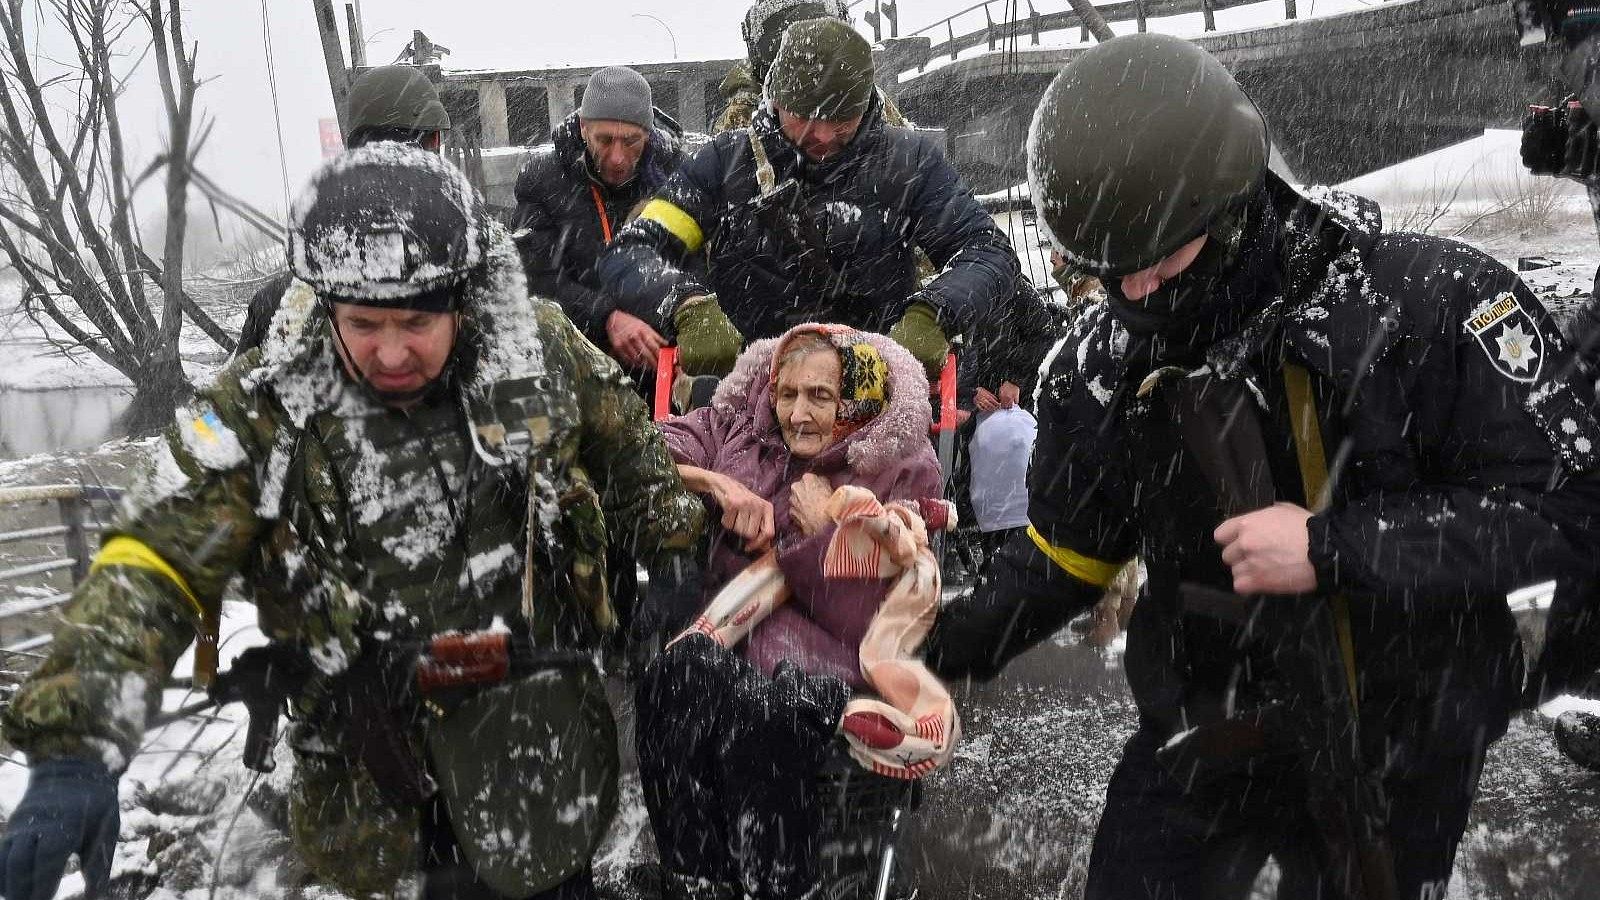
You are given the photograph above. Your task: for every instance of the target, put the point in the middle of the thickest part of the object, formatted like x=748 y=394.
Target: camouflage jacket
x=352 y=523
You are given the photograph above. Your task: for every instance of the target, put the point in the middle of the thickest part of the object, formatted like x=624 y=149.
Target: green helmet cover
x=823 y=71
x=1140 y=145
x=395 y=97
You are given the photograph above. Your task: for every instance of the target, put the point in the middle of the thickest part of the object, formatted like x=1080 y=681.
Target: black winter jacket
x=1009 y=346
x=889 y=190
x=1464 y=459
x=557 y=225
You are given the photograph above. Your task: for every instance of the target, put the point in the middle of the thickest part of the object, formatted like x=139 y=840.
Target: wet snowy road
x=1015 y=815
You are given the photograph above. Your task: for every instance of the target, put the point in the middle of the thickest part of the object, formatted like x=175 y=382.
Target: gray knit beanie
x=620 y=94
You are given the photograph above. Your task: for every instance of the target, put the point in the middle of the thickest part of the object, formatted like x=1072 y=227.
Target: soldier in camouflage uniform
x=372 y=503
x=764 y=24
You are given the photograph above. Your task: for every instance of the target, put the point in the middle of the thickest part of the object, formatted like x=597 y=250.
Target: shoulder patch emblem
x=208 y=441
x=1509 y=337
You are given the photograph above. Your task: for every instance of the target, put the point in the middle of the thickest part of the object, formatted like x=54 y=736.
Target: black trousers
x=446 y=874
x=745 y=781
x=1159 y=840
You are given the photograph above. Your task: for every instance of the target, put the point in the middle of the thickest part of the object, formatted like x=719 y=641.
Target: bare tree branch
x=180 y=108
x=67 y=195
x=192 y=309
x=252 y=216
x=16 y=40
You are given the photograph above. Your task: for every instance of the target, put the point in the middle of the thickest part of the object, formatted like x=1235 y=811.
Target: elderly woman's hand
x=808 y=503
x=744 y=513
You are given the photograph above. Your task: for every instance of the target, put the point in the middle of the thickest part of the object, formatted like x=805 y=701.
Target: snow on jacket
x=1009 y=347
x=889 y=190
x=1463 y=450
x=341 y=515
x=738 y=436
x=558 y=227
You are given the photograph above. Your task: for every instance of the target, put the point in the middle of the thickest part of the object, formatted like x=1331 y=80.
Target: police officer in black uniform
x=1335 y=450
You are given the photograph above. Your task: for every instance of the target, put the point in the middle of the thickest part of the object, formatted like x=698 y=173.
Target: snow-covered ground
x=38 y=356
x=55 y=396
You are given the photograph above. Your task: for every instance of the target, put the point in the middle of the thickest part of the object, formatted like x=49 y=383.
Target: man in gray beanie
x=616 y=116
x=575 y=193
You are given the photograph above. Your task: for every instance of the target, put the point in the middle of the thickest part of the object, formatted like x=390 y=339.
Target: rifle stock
x=1316 y=720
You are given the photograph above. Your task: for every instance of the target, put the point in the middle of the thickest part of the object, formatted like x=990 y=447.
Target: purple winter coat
x=821 y=627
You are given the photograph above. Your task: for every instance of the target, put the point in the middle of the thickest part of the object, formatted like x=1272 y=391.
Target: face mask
x=1228 y=282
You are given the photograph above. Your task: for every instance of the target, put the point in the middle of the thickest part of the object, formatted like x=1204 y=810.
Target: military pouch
x=1222 y=740
x=528 y=773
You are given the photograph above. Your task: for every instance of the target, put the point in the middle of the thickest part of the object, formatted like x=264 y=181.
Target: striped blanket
x=911 y=727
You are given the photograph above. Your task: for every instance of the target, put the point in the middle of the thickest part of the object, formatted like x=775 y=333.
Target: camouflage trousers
x=344 y=830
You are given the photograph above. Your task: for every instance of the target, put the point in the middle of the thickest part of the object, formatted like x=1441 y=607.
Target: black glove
x=1579 y=158
x=70 y=807
x=1544 y=139
x=1560 y=140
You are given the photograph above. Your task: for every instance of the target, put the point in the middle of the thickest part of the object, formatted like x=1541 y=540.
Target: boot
x=1578 y=737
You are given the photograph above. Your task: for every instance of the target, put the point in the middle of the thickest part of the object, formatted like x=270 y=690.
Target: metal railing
x=67 y=547
x=1007 y=32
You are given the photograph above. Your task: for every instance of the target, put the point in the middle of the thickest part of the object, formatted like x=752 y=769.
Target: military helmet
x=1140 y=145
x=391 y=225
x=766 y=20
x=394 y=98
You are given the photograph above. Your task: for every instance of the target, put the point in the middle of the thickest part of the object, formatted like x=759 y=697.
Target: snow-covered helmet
x=766 y=20
x=390 y=225
x=1140 y=145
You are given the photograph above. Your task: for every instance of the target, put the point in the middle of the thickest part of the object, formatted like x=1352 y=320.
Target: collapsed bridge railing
x=40 y=564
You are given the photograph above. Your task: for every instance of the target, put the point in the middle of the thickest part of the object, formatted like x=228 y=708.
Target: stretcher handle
x=945 y=390
x=666 y=370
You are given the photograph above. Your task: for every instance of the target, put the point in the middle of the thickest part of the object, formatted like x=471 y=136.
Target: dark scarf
x=1227 y=285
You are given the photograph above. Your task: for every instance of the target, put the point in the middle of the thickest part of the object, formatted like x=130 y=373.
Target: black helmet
x=391 y=99
x=388 y=224
x=766 y=20
x=1140 y=145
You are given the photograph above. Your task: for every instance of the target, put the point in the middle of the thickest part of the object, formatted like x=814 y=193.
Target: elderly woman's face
x=806 y=396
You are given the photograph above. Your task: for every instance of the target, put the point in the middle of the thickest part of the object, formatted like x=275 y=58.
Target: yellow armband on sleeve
x=1084 y=568
x=678 y=223
x=134 y=553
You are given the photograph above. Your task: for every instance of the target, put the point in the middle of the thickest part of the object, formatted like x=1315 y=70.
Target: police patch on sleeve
x=1509 y=337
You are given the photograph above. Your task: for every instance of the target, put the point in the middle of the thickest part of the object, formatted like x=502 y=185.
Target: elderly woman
x=731 y=743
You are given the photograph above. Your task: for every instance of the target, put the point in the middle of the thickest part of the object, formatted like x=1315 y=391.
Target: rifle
x=1302 y=639
x=263 y=679
x=381 y=695
x=1312 y=720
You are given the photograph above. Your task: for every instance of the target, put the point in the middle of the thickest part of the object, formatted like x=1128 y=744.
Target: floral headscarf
x=863 y=375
